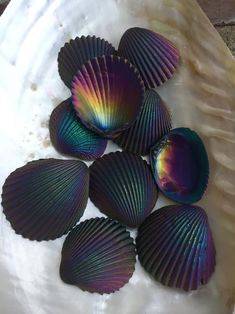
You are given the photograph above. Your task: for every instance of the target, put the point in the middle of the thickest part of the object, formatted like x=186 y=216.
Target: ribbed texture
x=45 y=198
x=108 y=95
x=69 y=136
x=153 y=123
x=180 y=166
x=155 y=57
x=123 y=188
x=98 y=256
x=175 y=245
x=77 y=52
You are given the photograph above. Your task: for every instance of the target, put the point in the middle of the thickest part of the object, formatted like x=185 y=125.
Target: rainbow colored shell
x=107 y=94
x=69 y=136
x=175 y=245
x=98 y=256
x=45 y=198
x=155 y=57
x=153 y=123
x=180 y=166
x=123 y=188
x=77 y=52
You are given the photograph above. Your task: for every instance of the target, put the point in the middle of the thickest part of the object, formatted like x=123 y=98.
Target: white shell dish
x=202 y=97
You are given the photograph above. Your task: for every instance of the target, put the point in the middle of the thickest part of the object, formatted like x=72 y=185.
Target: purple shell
x=155 y=57
x=175 y=246
x=45 y=198
x=153 y=123
x=77 y=52
x=180 y=166
x=108 y=94
x=69 y=136
x=98 y=256
x=123 y=188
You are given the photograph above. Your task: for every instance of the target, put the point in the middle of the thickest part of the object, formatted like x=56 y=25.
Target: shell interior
x=180 y=166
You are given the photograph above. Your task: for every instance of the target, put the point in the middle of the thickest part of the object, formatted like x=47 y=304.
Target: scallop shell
x=180 y=166
x=155 y=57
x=123 y=188
x=175 y=245
x=77 y=52
x=153 y=123
x=108 y=95
x=69 y=136
x=45 y=198
x=98 y=256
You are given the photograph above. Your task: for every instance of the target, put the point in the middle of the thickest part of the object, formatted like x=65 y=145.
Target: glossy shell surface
x=108 y=94
x=98 y=256
x=69 y=136
x=155 y=56
x=152 y=124
x=45 y=198
x=123 y=188
x=180 y=166
x=175 y=245
x=77 y=52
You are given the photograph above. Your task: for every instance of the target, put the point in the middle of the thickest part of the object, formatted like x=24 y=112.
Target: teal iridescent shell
x=155 y=57
x=107 y=94
x=77 y=52
x=69 y=136
x=98 y=256
x=152 y=124
x=123 y=188
x=45 y=198
x=180 y=166
x=175 y=245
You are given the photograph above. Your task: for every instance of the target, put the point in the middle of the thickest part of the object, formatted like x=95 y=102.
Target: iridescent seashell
x=175 y=245
x=155 y=57
x=108 y=95
x=152 y=124
x=45 y=198
x=123 y=188
x=98 y=256
x=180 y=165
x=69 y=136
x=77 y=52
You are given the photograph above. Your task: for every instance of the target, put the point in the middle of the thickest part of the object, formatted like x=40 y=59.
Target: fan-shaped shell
x=98 y=256
x=155 y=57
x=123 y=188
x=69 y=136
x=45 y=198
x=108 y=95
x=77 y=52
x=175 y=245
x=180 y=166
x=152 y=124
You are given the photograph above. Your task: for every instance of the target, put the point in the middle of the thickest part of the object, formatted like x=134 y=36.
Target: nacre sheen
x=98 y=256
x=175 y=245
x=180 y=165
